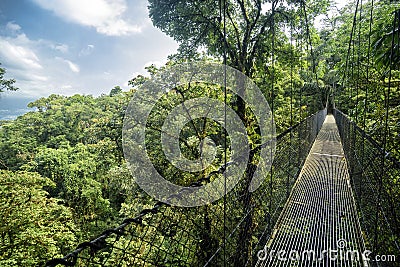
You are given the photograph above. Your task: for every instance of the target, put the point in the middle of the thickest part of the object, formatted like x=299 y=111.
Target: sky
x=77 y=46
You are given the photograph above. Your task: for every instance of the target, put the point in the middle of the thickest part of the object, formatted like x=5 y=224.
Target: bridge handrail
x=368 y=137
x=374 y=177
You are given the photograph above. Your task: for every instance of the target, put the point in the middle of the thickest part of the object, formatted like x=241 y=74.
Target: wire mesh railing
x=174 y=236
x=375 y=177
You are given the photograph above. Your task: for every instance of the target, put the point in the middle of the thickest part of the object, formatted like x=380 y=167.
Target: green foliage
x=383 y=35
x=6 y=84
x=64 y=178
x=251 y=38
x=361 y=70
x=115 y=91
x=75 y=142
x=34 y=227
x=74 y=170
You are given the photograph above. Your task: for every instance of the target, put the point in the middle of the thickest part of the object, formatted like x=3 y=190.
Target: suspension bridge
x=331 y=196
x=316 y=209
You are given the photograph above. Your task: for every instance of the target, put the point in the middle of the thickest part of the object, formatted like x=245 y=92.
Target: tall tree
x=251 y=33
x=196 y=24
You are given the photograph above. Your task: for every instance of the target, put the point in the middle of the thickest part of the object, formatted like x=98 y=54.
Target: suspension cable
x=309 y=40
x=365 y=108
x=344 y=80
x=301 y=70
x=314 y=65
x=272 y=105
x=368 y=65
x=223 y=13
x=291 y=70
x=358 y=62
x=386 y=128
x=291 y=93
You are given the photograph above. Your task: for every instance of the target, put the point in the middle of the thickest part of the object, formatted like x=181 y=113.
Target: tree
x=34 y=227
x=253 y=38
x=6 y=84
x=115 y=91
x=363 y=67
x=196 y=24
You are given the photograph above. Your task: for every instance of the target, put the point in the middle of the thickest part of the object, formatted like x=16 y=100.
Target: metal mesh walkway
x=319 y=224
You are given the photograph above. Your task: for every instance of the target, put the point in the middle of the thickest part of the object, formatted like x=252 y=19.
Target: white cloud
x=118 y=27
x=59 y=47
x=18 y=56
x=63 y=48
x=72 y=66
x=35 y=77
x=26 y=76
x=13 y=27
x=156 y=63
x=104 y=15
x=66 y=87
x=32 y=64
x=16 y=51
x=87 y=50
x=61 y=67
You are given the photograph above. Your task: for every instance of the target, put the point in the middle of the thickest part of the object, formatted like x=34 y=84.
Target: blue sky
x=77 y=46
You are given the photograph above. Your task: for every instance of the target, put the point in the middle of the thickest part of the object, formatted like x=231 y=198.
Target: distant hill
x=11 y=107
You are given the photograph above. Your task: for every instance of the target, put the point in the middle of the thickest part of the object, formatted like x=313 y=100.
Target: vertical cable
x=368 y=66
x=349 y=47
x=352 y=80
x=225 y=119
x=291 y=97
x=222 y=14
x=300 y=102
x=386 y=129
x=310 y=43
x=358 y=60
x=291 y=70
x=301 y=70
x=365 y=105
x=272 y=106
x=351 y=110
x=355 y=89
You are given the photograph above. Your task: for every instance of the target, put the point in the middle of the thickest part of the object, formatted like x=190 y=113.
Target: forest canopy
x=62 y=167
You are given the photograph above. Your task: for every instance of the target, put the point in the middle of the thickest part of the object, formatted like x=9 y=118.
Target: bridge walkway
x=319 y=224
